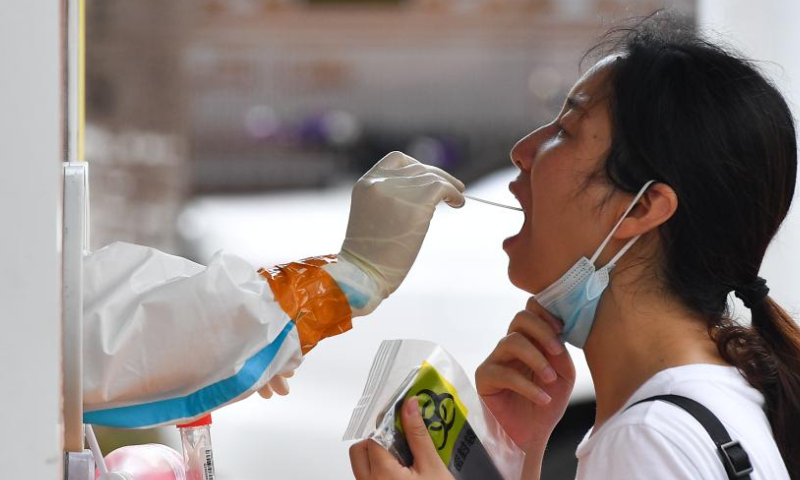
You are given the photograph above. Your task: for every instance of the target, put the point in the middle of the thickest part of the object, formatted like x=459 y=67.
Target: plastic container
x=146 y=462
x=197 y=453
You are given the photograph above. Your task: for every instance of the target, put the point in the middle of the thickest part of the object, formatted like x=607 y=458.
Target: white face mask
x=573 y=298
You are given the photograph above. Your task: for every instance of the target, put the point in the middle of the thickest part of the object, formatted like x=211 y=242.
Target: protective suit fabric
x=312 y=298
x=167 y=340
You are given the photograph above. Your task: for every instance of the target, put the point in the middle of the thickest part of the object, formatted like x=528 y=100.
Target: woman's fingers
x=517 y=346
x=493 y=378
x=359 y=459
x=383 y=465
x=562 y=362
x=418 y=438
x=533 y=306
x=532 y=341
x=540 y=326
x=537 y=329
x=371 y=461
x=529 y=358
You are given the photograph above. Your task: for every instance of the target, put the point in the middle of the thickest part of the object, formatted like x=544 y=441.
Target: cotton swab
x=492 y=203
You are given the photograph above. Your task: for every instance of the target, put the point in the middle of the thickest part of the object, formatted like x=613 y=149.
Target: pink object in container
x=197 y=454
x=146 y=462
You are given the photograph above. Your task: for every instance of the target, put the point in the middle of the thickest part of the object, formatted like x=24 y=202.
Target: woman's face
x=563 y=220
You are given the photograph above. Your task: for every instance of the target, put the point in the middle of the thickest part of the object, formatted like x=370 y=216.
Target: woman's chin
x=517 y=277
x=519 y=271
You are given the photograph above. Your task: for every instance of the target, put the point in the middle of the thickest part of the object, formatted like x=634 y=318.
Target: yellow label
x=441 y=409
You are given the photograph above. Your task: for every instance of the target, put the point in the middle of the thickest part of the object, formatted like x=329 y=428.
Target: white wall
x=768 y=31
x=30 y=187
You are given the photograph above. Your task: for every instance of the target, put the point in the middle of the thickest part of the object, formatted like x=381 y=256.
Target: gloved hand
x=391 y=208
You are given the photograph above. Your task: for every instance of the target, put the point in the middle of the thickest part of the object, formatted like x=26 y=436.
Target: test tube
x=197 y=454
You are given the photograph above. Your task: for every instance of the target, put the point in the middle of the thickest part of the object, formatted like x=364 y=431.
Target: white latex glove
x=391 y=208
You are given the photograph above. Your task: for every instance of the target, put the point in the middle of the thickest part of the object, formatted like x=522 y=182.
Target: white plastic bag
x=467 y=437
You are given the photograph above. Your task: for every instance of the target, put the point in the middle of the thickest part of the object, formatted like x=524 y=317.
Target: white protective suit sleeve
x=167 y=340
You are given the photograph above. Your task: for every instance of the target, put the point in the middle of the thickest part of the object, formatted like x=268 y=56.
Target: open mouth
x=514 y=188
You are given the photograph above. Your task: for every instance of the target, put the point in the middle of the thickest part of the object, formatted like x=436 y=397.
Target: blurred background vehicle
x=242 y=124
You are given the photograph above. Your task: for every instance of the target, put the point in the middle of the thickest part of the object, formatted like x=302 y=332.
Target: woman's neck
x=637 y=333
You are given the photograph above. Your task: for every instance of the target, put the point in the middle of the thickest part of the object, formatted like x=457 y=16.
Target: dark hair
x=704 y=121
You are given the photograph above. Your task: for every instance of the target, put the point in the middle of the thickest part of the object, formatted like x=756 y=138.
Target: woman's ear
x=655 y=207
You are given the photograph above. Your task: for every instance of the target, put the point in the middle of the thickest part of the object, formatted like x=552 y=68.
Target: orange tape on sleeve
x=311 y=298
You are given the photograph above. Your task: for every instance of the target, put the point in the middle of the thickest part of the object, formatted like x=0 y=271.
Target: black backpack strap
x=733 y=455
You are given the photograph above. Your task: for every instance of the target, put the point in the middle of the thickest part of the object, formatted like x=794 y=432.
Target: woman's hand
x=371 y=461
x=527 y=380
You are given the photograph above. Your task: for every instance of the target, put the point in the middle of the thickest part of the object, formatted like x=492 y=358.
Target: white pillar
x=768 y=32
x=30 y=272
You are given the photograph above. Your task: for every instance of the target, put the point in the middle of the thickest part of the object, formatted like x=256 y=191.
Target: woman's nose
x=525 y=150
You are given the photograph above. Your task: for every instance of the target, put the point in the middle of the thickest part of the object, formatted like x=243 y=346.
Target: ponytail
x=707 y=123
x=768 y=355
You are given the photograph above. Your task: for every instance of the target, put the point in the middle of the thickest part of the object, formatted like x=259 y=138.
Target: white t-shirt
x=658 y=440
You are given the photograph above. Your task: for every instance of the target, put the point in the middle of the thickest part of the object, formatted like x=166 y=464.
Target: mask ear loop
x=630 y=243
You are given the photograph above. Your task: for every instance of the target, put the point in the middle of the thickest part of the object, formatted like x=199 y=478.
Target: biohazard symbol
x=438 y=413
